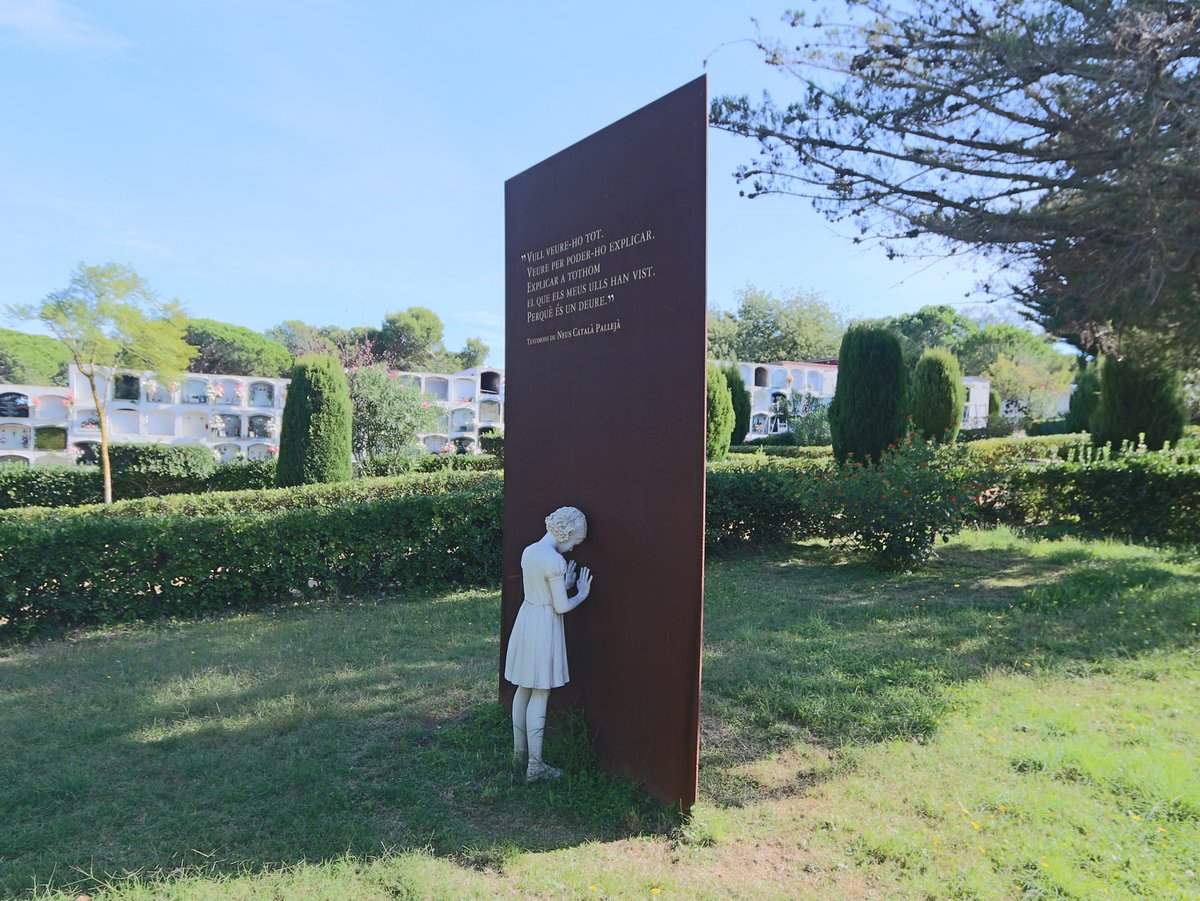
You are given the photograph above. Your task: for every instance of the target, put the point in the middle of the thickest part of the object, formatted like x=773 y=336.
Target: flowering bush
x=897 y=508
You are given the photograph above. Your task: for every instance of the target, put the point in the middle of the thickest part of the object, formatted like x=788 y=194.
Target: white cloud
x=53 y=23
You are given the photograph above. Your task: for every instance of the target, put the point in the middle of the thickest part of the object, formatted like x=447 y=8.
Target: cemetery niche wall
x=604 y=295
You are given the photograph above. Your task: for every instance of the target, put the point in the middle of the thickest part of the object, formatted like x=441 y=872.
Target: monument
x=605 y=411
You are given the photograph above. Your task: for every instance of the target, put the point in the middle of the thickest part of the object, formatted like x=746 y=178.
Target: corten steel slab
x=605 y=354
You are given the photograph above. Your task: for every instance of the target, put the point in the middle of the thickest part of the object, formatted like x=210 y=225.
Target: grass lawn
x=1019 y=720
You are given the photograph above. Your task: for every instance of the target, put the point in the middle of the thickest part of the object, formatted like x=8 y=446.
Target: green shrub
x=1136 y=400
x=896 y=509
x=242 y=475
x=455 y=463
x=1084 y=398
x=493 y=445
x=49 y=486
x=937 y=395
x=719 y=414
x=315 y=432
x=741 y=404
x=147 y=470
x=867 y=413
x=85 y=569
x=893 y=511
x=995 y=403
x=1040 y=427
x=779 y=439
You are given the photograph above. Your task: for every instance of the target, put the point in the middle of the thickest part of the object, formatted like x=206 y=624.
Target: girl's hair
x=566 y=524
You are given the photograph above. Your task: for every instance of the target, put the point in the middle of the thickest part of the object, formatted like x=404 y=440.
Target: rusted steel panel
x=605 y=353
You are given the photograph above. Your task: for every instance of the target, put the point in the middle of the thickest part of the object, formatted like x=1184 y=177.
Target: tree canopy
x=797 y=326
x=1061 y=136
x=32 y=359
x=410 y=339
x=235 y=350
x=108 y=317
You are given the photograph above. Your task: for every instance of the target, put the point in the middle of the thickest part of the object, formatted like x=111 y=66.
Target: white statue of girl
x=537 y=647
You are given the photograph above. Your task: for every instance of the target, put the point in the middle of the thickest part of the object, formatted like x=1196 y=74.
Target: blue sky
x=334 y=161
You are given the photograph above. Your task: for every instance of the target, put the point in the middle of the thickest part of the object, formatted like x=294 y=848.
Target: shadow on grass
x=265 y=740
x=302 y=735
x=804 y=646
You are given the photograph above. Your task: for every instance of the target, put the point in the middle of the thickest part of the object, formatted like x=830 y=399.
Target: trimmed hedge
x=147 y=470
x=83 y=569
x=242 y=475
x=255 y=501
x=49 y=486
x=784 y=450
x=456 y=462
x=1138 y=497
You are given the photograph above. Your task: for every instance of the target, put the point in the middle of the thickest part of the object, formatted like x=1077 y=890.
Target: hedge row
x=188 y=555
x=1142 y=497
x=139 y=470
x=56 y=573
x=251 y=502
x=777 y=450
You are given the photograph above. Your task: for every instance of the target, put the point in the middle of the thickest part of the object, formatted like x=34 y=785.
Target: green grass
x=1021 y=720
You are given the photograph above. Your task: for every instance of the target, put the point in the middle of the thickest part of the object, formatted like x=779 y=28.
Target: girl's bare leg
x=519 y=718
x=535 y=726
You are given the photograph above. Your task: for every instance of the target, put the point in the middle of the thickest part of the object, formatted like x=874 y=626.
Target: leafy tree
x=474 y=353
x=314 y=441
x=1138 y=399
x=300 y=338
x=412 y=338
x=720 y=414
x=867 y=413
x=1024 y=367
x=928 y=327
x=108 y=317
x=741 y=404
x=937 y=395
x=798 y=326
x=1061 y=136
x=388 y=416
x=231 y=349
x=1085 y=397
x=32 y=359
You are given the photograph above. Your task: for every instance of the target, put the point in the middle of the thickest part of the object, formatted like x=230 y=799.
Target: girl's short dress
x=537 y=647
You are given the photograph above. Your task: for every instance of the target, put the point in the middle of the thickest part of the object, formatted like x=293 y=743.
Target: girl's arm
x=558 y=591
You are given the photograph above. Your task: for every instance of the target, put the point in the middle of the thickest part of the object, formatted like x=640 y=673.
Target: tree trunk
x=105 y=467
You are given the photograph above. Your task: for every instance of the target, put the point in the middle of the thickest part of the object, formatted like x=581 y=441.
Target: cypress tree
x=1084 y=399
x=937 y=395
x=314 y=441
x=1136 y=400
x=741 y=405
x=867 y=413
x=720 y=415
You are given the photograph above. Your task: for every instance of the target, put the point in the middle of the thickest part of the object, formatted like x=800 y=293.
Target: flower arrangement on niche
x=214 y=392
